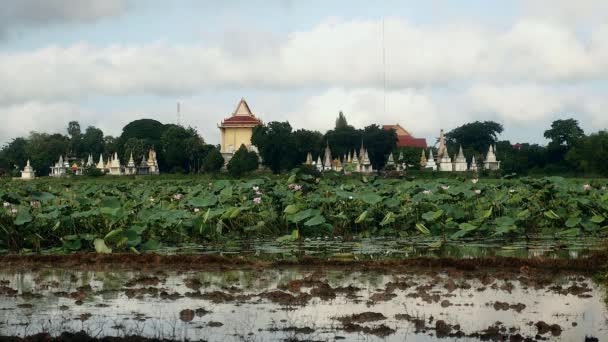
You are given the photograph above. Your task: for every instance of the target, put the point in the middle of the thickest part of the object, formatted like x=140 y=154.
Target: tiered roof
x=241 y=117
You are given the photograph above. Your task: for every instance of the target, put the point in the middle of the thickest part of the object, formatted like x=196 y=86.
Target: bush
x=242 y=162
x=92 y=171
x=213 y=162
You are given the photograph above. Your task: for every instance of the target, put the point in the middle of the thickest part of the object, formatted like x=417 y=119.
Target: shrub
x=242 y=162
x=213 y=161
x=92 y=171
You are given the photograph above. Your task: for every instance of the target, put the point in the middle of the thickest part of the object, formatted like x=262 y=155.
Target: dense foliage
x=139 y=214
x=242 y=162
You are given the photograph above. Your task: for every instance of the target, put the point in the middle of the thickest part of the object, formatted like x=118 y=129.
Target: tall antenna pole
x=179 y=115
x=384 y=66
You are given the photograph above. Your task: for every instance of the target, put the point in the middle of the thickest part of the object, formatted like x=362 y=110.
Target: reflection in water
x=275 y=304
x=374 y=248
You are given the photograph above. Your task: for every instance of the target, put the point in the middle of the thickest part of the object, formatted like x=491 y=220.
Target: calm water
x=122 y=303
x=374 y=248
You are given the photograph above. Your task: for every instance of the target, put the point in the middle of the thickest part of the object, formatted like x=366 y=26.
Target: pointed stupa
x=131 y=162
x=430 y=163
x=460 y=162
x=361 y=151
x=473 y=166
x=442 y=149
x=423 y=159
x=319 y=163
x=308 y=159
x=327 y=158
x=101 y=164
x=390 y=160
x=28 y=171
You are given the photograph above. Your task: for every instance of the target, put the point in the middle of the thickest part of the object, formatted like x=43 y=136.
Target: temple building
x=28 y=172
x=473 y=167
x=327 y=163
x=152 y=163
x=404 y=138
x=237 y=130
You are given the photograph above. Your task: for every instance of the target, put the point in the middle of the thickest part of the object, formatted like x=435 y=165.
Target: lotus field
x=141 y=214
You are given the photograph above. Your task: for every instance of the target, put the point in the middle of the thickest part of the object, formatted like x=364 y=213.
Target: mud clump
x=362 y=317
x=380 y=330
x=519 y=307
x=215 y=324
x=544 y=328
x=218 y=297
x=323 y=291
x=442 y=329
x=419 y=323
x=285 y=298
x=186 y=315
x=146 y=281
x=382 y=297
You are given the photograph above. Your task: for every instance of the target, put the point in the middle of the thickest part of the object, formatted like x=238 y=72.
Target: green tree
x=344 y=138
x=137 y=147
x=75 y=136
x=92 y=141
x=44 y=150
x=182 y=147
x=276 y=144
x=213 y=162
x=307 y=141
x=242 y=161
x=14 y=155
x=379 y=143
x=341 y=122
x=410 y=155
x=589 y=154
x=475 y=137
x=563 y=134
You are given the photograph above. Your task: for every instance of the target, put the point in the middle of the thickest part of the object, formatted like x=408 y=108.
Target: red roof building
x=237 y=129
x=404 y=138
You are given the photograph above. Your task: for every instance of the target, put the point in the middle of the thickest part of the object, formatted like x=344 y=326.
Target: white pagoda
x=391 y=161
x=60 y=168
x=430 y=163
x=308 y=159
x=131 y=168
x=491 y=163
x=365 y=163
x=460 y=163
x=445 y=163
x=327 y=163
x=319 y=163
x=115 y=167
x=101 y=165
x=473 y=166
x=28 y=172
x=153 y=163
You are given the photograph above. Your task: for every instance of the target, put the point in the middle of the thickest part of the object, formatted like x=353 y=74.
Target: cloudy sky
x=107 y=62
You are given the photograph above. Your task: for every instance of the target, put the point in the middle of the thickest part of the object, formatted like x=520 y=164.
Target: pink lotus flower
x=178 y=197
x=257 y=200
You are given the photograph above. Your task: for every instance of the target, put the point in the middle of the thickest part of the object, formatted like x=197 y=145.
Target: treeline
x=282 y=148
x=178 y=149
x=569 y=151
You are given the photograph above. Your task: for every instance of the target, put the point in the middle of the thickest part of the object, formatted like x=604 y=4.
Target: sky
x=426 y=65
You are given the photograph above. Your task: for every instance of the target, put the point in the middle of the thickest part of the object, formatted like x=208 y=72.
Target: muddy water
x=277 y=304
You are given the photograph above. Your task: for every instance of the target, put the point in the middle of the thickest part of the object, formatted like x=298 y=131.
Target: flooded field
x=303 y=303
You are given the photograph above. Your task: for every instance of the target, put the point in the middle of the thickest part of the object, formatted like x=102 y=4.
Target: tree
x=590 y=153
x=182 y=147
x=379 y=143
x=410 y=155
x=276 y=144
x=307 y=141
x=213 y=162
x=148 y=129
x=92 y=141
x=344 y=138
x=341 y=122
x=134 y=146
x=476 y=136
x=564 y=133
x=44 y=150
x=242 y=161
x=75 y=136
x=110 y=145
x=13 y=155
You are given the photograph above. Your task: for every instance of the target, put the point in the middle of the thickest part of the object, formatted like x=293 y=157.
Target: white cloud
x=343 y=53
